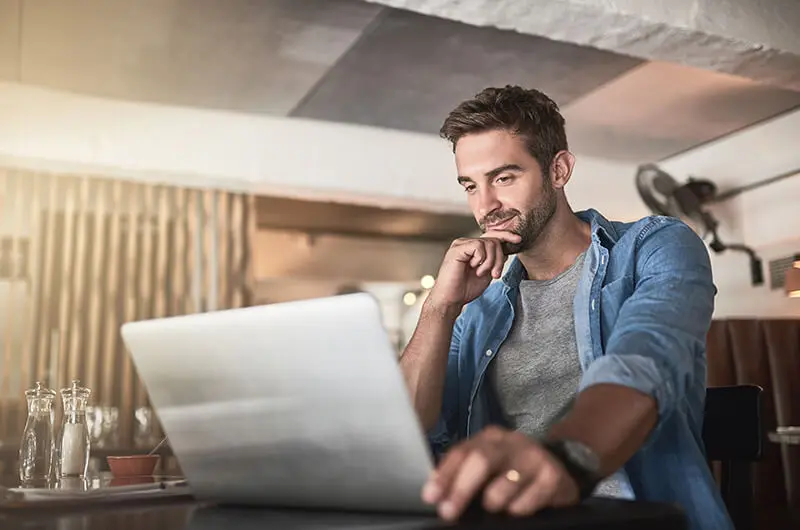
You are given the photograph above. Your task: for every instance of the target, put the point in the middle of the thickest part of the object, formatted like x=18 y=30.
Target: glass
x=145 y=434
x=103 y=423
x=74 y=484
x=74 y=445
x=36 y=448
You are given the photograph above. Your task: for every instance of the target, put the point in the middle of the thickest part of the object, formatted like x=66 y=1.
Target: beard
x=529 y=225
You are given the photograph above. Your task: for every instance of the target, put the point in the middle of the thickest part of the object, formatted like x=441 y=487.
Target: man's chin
x=510 y=249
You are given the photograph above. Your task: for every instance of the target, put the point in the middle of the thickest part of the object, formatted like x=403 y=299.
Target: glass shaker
x=36 y=447
x=73 y=446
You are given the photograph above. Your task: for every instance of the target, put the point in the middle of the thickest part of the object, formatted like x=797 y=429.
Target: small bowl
x=133 y=465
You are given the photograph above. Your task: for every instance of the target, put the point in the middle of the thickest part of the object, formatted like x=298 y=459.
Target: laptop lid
x=298 y=404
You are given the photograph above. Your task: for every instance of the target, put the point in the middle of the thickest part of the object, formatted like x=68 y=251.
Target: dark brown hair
x=527 y=113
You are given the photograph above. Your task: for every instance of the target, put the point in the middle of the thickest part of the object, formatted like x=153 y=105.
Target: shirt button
x=592 y=304
x=489 y=353
x=602 y=260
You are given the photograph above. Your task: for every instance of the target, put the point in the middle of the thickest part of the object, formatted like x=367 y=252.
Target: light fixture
x=409 y=298
x=427 y=281
x=792 y=281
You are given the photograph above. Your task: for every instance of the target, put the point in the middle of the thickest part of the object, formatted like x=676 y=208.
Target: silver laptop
x=299 y=404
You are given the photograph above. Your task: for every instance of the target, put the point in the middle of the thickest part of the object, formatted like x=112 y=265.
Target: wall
x=767 y=218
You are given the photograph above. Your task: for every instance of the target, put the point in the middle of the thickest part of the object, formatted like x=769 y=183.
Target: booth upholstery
x=765 y=353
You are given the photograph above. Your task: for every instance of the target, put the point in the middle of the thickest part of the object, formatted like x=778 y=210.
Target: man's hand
x=512 y=472
x=468 y=268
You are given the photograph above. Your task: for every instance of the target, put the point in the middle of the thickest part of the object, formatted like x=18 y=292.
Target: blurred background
x=163 y=157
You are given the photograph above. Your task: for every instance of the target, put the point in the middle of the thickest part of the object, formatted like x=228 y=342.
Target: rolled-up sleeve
x=444 y=433
x=661 y=328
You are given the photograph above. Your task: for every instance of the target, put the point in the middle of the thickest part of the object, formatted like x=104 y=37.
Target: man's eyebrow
x=502 y=169
x=493 y=173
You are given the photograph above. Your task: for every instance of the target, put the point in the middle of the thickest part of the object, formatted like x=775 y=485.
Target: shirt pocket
x=612 y=296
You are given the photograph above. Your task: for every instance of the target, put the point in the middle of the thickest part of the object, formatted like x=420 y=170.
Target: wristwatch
x=580 y=461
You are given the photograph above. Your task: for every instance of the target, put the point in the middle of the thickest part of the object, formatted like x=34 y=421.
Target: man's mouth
x=500 y=225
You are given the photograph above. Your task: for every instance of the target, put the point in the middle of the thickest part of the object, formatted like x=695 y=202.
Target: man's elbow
x=661 y=384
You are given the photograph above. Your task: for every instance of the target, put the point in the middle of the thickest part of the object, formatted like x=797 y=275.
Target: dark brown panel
x=752 y=367
x=360 y=221
x=783 y=348
x=721 y=371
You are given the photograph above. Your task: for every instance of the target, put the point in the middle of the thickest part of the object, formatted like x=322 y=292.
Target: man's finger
x=499 y=261
x=488 y=264
x=539 y=494
x=510 y=237
x=503 y=489
x=438 y=484
x=476 y=469
x=478 y=255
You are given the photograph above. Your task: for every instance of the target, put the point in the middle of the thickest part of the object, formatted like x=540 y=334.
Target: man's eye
x=469 y=189
x=504 y=178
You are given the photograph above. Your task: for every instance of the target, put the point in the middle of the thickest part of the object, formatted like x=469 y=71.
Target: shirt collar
x=603 y=232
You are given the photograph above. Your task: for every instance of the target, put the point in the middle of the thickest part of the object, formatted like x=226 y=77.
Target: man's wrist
x=445 y=311
x=580 y=462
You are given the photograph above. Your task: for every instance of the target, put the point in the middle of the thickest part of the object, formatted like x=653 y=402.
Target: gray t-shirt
x=537 y=371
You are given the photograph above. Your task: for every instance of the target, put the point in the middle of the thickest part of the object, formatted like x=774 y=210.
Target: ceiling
x=356 y=62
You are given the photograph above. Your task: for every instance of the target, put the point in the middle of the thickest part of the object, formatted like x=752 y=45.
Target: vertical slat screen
x=99 y=253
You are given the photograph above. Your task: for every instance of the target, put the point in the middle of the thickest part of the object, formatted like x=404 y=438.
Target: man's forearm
x=613 y=420
x=424 y=361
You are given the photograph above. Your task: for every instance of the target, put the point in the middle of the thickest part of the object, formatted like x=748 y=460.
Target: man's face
x=505 y=187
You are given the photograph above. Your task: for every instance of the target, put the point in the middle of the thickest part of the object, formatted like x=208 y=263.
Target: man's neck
x=564 y=239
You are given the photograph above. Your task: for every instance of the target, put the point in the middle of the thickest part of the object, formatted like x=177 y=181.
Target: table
x=189 y=514
x=790 y=436
x=178 y=515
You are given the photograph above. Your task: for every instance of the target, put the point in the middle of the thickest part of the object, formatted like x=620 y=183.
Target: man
x=583 y=370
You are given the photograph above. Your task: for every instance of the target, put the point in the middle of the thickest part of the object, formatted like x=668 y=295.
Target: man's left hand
x=512 y=472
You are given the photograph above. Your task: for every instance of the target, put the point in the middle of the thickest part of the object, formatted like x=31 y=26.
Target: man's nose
x=487 y=203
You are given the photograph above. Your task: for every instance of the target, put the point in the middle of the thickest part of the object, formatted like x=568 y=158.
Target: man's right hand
x=468 y=268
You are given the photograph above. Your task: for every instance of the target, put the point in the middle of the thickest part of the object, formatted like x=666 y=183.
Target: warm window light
x=793 y=279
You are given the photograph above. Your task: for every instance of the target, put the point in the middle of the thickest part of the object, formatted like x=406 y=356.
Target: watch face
x=582 y=455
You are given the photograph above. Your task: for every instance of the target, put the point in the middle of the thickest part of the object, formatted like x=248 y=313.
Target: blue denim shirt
x=642 y=311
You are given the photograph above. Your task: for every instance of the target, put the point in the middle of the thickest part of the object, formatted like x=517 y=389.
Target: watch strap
x=586 y=479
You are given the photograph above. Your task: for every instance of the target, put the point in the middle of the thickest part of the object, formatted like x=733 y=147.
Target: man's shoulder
x=648 y=227
x=657 y=242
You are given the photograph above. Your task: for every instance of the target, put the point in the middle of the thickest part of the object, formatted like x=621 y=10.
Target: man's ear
x=561 y=169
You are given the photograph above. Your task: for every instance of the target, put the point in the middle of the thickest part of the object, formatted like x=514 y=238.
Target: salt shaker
x=36 y=447
x=73 y=446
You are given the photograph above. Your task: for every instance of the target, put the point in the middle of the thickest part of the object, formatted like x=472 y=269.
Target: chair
x=733 y=436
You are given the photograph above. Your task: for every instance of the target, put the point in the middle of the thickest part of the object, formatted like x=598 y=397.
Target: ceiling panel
x=660 y=109
x=410 y=70
x=9 y=39
x=256 y=56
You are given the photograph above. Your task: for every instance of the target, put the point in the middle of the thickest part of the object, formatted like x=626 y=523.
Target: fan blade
x=665 y=184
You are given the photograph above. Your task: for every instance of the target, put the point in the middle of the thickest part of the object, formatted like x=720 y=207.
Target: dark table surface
x=191 y=515
x=185 y=513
